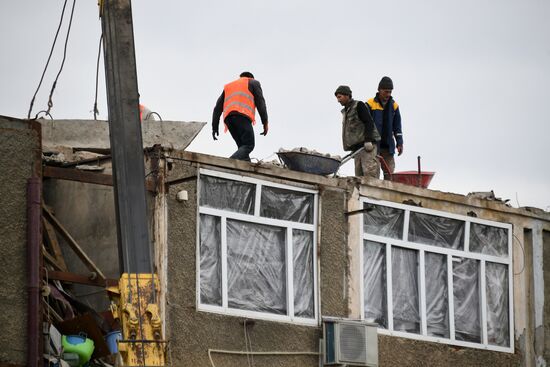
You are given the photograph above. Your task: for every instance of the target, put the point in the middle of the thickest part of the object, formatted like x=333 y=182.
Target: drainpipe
x=34 y=235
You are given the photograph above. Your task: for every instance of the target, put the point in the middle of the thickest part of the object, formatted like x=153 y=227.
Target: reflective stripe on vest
x=239 y=99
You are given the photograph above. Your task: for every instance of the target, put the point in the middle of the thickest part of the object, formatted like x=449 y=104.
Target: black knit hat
x=385 y=83
x=343 y=89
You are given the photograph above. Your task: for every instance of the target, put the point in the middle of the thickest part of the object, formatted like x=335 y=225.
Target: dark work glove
x=214 y=134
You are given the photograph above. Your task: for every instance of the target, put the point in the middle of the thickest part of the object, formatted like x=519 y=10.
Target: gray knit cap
x=343 y=89
x=385 y=83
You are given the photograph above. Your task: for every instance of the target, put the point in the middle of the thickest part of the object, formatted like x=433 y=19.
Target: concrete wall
x=19 y=160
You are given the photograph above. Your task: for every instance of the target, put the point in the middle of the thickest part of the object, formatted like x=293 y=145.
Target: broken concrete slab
x=95 y=133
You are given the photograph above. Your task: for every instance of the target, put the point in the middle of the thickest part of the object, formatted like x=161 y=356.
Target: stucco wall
x=398 y=352
x=546 y=318
x=19 y=145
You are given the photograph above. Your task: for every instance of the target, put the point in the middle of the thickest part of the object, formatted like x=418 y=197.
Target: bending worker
x=385 y=112
x=358 y=131
x=239 y=101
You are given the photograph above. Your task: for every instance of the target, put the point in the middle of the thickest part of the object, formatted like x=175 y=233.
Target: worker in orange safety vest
x=238 y=102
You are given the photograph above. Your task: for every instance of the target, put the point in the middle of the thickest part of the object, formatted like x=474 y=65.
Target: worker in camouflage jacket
x=358 y=131
x=385 y=112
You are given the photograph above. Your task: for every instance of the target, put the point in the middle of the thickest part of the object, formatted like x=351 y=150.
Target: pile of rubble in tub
x=310 y=151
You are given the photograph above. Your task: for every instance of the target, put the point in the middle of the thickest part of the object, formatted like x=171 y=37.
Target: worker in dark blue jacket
x=387 y=118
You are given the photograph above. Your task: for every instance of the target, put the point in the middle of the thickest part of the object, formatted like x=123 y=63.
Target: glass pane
x=436 y=231
x=221 y=193
x=488 y=240
x=374 y=282
x=406 y=315
x=466 y=299
x=303 y=273
x=210 y=260
x=256 y=267
x=286 y=205
x=437 y=305
x=498 y=319
x=384 y=221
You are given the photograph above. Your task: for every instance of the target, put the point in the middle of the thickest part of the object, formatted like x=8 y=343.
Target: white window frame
x=257 y=219
x=422 y=249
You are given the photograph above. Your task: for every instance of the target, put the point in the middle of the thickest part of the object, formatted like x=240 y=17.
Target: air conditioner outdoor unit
x=349 y=342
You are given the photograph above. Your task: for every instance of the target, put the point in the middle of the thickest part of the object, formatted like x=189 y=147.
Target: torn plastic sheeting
x=488 y=240
x=498 y=321
x=303 y=273
x=285 y=204
x=406 y=315
x=374 y=283
x=466 y=300
x=384 y=221
x=256 y=267
x=210 y=260
x=221 y=193
x=437 y=309
x=436 y=231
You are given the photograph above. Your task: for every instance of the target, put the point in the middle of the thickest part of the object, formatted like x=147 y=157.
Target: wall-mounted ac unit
x=349 y=342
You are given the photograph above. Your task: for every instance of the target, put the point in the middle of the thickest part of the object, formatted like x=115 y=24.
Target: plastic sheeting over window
x=437 y=231
x=498 y=318
x=285 y=204
x=303 y=273
x=466 y=299
x=437 y=305
x=210 y=261
x=488 y=240
x=221 y=193
x=406 y=315
x=384 y=221
x=374 y=283
x=256 y=267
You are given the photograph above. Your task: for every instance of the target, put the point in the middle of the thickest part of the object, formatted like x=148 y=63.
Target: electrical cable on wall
x=241 y=352
x=50 y=102
x=523 y=257
x=49 y=58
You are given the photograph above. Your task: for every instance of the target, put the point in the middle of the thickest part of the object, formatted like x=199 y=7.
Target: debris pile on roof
x=310 y=151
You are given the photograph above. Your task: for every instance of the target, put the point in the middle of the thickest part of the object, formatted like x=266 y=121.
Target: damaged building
x=254 y=259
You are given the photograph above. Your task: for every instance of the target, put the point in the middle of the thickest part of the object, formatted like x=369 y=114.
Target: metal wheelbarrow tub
x=309 y=163
x=413 y=178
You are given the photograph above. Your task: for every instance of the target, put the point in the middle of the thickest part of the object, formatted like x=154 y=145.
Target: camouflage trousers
x=366 y=163
x=390 y=162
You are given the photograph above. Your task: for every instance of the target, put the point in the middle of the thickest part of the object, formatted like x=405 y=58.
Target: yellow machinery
x=135 y=303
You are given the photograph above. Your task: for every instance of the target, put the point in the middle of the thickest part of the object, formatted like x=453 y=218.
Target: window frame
x=255 y=218
x=422 y=249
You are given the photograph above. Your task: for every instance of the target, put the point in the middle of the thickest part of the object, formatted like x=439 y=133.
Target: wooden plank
x=73 y=174
x=80 y=279
x=54 y=244
x=49 y=258
x=73 y=244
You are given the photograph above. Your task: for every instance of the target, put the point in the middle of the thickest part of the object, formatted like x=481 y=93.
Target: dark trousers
x=242 y=132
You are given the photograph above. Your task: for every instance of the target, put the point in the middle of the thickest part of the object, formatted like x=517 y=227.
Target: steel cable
x=47 y=62
x=50 y=102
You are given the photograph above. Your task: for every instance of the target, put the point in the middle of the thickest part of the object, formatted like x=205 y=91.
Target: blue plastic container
x=111 y=339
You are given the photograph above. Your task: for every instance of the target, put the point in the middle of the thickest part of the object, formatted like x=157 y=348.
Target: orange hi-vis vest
x=239 y=99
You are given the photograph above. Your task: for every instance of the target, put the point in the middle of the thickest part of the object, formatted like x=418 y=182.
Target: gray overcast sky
x=471 y=77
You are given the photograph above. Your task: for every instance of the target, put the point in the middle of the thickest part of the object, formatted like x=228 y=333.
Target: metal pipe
x=34 y=236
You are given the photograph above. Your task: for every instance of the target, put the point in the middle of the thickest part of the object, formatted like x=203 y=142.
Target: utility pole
x=125 y=136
